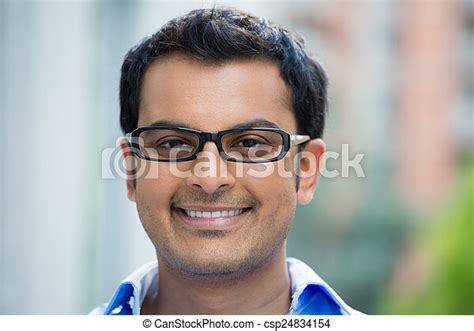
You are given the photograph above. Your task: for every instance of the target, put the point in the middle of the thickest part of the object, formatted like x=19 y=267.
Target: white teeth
x=214 y=214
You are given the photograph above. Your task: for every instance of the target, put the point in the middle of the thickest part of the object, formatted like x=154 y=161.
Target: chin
x=213 y=267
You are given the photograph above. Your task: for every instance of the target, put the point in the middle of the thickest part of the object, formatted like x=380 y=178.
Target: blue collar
x=310 y=294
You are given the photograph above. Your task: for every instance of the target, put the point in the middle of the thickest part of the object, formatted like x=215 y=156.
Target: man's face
x=212 y=98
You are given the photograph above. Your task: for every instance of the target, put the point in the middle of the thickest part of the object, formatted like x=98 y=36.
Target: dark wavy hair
x=218 y=35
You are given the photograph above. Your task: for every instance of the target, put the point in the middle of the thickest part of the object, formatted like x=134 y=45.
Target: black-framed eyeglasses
x=247 y=145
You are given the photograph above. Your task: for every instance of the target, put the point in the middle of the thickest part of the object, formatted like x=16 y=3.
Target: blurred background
x=398 y=241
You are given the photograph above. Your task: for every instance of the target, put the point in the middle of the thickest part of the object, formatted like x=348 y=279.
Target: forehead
x=214 y=97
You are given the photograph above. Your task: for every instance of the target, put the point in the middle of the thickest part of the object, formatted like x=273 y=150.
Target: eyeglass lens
x=168 y=144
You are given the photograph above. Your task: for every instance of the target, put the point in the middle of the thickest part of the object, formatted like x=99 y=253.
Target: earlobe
x=131 y=189
x=129 y=166
x=310 y=162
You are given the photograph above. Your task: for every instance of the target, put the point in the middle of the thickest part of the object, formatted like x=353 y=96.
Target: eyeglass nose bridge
x=214 y=137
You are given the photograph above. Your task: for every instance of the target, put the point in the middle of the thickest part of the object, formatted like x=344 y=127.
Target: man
x=224 y=113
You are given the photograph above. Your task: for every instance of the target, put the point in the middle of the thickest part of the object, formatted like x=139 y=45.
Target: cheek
x=274 y=182
x=153 y=196
x=155 y=190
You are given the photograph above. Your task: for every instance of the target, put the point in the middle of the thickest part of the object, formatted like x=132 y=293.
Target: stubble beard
x=227 y=271
x=253 y=254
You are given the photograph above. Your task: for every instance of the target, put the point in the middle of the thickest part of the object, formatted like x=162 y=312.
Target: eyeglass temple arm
x=298 y=139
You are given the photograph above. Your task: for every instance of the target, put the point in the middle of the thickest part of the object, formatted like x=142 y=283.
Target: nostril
x=211 y=188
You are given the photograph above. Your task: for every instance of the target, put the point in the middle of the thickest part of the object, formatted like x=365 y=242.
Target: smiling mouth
x=211 y=218
x=214 y=214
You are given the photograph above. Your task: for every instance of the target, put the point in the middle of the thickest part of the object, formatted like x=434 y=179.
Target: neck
x=265 y=291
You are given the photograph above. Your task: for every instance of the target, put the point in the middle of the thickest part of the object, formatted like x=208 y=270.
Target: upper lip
x=209 y=208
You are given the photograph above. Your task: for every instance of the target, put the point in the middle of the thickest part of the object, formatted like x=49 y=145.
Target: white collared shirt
x=310 y=294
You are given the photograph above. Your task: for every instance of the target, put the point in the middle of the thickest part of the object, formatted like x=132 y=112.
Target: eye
x=172 y=143
x=251 y=142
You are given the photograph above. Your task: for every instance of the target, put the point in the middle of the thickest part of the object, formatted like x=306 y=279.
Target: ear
x=310 y=162
x=129 y=160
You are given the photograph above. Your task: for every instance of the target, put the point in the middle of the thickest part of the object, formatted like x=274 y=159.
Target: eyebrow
x=256 y=123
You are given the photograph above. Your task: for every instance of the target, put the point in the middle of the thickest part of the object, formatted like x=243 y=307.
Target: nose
x=210 y=172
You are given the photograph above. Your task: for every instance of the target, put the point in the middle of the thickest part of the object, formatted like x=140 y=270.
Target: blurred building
x=402 y=84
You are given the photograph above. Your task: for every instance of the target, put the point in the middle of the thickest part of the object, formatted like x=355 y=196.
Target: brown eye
x=251 y=142
x=172 y=143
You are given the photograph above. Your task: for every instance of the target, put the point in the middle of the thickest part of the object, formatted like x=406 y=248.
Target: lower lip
x=208 y=223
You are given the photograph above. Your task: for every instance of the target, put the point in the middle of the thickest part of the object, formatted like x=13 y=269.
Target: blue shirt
x=310 y=294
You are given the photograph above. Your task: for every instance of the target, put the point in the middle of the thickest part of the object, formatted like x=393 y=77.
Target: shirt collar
x=310 y=294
